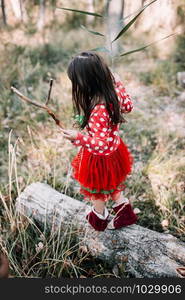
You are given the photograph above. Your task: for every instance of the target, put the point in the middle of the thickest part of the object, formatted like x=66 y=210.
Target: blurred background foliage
x=37 y=42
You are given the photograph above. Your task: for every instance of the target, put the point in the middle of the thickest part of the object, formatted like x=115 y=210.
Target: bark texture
x=138 y=250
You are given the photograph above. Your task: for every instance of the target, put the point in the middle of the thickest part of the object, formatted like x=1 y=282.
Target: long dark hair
x=92 y=81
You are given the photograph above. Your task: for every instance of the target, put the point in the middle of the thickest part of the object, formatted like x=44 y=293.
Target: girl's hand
x=70 y=134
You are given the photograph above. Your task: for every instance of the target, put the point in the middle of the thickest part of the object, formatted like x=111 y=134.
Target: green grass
x=179 y=54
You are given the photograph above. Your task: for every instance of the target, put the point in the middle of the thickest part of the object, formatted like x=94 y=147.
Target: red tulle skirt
x=101 y=176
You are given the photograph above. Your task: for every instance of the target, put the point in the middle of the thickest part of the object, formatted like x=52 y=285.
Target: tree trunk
x=41 y=17
x=24 y=15
x=16 y=6
x=122 y=10
x=143 y=252
x=90 y=7
x=114 y=12
x=3 y=12
x=53 y=7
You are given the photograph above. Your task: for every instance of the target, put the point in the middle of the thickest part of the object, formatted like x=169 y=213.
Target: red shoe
x=124 y=216
x=97 y=221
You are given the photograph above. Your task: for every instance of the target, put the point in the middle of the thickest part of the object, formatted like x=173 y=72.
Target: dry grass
x=166 y=173
x=34 y=250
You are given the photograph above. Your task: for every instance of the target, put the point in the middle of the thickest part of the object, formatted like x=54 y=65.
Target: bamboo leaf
x=144 y=47
x=91 y=31
x=126 y=27
x=81 y=12
x=131 y=14
x=100 y=49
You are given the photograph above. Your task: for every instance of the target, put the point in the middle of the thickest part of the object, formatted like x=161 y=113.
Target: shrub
x=179 y=54
x=163 y=76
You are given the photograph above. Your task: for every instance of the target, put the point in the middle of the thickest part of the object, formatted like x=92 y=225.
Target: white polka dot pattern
x=115 y=133
x=110 y=139
x=101 y=119
x=102 y=137
x=123 y=97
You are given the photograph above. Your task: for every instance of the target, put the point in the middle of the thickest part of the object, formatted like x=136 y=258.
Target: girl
x=103 y=162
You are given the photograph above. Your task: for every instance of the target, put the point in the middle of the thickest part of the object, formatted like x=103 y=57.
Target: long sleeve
x=98 y=125
x=126 y=104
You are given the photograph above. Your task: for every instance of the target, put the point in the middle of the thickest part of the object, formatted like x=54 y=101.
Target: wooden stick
x=45 y=107
x=49 y=93
x=27 y=99
x=57 y=121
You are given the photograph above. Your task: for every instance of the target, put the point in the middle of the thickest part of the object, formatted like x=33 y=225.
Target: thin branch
x=35 y=103
x=49 y=93
x=27 y=99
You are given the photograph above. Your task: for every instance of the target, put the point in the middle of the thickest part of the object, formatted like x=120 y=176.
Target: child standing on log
x=103 y=161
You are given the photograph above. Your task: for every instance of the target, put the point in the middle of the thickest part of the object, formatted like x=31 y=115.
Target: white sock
x=102 y=217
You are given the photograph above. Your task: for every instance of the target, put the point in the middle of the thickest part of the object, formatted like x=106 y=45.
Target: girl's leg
x=98 y=217
x=99 y=206
x=118 y=198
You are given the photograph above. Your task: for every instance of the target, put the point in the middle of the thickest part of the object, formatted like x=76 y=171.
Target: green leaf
x=100 y=49
x=81 y=12
x=126 y=27
x=131 y=14
x=91 y=31
x=144 y=47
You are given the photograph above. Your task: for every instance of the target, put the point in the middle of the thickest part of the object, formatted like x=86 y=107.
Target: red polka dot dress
x=103 y=162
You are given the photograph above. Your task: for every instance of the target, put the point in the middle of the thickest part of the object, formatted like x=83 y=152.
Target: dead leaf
x=165 y=223
x=4 y=266
x=181 y=271
x=137 y=210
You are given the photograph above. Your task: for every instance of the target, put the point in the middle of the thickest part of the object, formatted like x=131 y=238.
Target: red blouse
x=103 y=137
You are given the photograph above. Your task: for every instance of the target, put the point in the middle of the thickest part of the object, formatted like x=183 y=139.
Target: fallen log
x=142 y=252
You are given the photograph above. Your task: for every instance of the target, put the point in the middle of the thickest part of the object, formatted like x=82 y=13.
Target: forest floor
x=32 y=147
